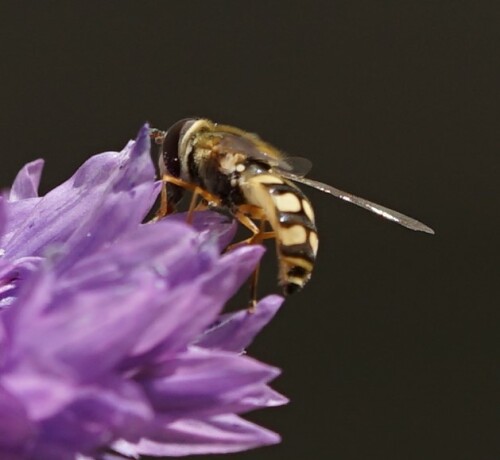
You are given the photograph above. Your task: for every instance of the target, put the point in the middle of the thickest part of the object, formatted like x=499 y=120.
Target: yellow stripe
x=298 y=262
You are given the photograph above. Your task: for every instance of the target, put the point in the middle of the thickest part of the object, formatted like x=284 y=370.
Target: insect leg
x=192 y=204
x=254 y=212
x=248 y=223
x=245 y=215
x=258 y=234
x=164 y=205
x=254 y=280
x=206 y=196
x=197 y=192
x=163 y=211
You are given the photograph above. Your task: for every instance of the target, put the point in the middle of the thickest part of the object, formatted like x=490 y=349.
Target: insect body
x=239 y=172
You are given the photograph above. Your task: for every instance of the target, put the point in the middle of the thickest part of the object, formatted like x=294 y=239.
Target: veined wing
x=378 y=209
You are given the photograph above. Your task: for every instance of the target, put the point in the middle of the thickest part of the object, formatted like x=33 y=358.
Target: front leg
x=163 y=210
x=167 y=207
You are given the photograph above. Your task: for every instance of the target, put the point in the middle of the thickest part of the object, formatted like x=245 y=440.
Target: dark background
x=392 y=349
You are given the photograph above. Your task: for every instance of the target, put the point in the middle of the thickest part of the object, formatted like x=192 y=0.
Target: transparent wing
x=298 y=166
x=236 y=143
x=378 y=209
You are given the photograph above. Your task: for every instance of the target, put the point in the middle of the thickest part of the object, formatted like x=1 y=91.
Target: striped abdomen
x=290 y=215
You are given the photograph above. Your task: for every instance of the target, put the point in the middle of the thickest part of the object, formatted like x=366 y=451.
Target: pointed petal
x=89 y=199
x=220 y=434
x=192 y=310
x=235 y=331
x=201 y=383
x=27 y=181
x=117 y=214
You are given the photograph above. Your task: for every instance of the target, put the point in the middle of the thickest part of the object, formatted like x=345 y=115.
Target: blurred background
x=392 y=349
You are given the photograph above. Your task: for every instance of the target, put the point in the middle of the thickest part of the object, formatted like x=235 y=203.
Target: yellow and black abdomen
x=291 y=217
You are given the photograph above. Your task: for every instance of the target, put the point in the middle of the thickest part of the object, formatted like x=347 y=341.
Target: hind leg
x=258 y=235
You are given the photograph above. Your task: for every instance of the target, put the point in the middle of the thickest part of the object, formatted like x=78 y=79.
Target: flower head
x=111 y=338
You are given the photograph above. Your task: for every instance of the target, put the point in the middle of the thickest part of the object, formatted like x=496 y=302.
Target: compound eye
x=169 y=158
x=170 y=148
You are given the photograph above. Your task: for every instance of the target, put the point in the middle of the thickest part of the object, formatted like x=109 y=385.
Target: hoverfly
x=238 y=172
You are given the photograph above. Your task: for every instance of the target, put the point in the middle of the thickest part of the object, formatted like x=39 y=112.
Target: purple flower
x=111 y=339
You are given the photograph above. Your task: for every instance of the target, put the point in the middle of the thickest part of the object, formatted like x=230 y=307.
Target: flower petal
x=97 y=342
x=15 y=274
x=43 y=394
x=201 y=383
x=97 y=416
x=219 y=434
x=33 y=298
x=170 y=250
x=88 y=201
x=18 y=212
x=3 y=220
x=93 y=331
x=15 y=426
x=22 y=372
x=191 y=310
x=27 y=181
x=210 y=225
x=82 y=334
x=235 y=331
